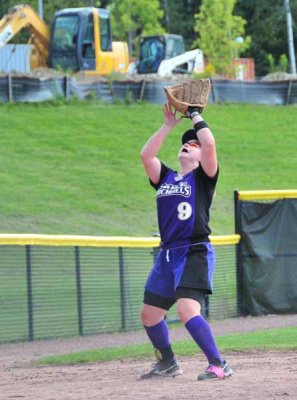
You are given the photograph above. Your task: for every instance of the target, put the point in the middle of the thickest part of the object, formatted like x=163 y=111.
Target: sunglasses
x=193 y=144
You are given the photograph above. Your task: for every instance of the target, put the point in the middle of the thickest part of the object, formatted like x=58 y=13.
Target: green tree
x=281 y=66
x=217 y=30
x=266 y=22
x=4 y=4
x=49 y=6
x=132 y=18
x=179 y=18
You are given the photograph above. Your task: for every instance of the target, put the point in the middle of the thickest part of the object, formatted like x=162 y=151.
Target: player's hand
x=170 y=118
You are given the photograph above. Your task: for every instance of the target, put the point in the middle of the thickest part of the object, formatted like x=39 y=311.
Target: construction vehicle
x=165 y=55
x=24 y=17
x=80 y=40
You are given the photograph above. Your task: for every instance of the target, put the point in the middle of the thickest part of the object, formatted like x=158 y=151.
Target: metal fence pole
x=29 y=294
x=213 y=92
x=142 y=90
x=9 y=83
x=66 y=87
x=290 y=37
x=40 y=8
x=122 y=288
x=78 y=291
x=207 y=307
x=289 y=91
x=239 y=267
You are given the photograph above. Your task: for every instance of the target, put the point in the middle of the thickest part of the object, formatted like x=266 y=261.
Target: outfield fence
x=22 y=88
x=58 y=286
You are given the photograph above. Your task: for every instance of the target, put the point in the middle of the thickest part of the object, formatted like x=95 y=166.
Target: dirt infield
x=258 y=375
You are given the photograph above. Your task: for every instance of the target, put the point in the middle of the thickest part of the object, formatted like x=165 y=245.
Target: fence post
x=289 y=92
x=78 y=291
x=9 y=83
x=239 y=267
x=122 y=288
x=66 y=87
x=29 y=294
x=142 y=89
x=213 y=92
x=206 y=304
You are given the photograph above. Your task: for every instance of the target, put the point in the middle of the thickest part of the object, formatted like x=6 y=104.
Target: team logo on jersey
x=169 y=189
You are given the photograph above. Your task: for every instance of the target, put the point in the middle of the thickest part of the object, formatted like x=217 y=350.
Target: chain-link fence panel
x=63 y=290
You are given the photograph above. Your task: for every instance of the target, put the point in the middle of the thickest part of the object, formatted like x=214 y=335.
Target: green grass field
x=74 y=168
x=270 y=339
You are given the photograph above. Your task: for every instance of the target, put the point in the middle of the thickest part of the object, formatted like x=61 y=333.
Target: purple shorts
x=189 y=266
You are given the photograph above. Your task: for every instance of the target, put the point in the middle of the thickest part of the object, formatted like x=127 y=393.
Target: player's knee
x=185 y=313
x=151 y=315
x=144 y=316
x=147 y=318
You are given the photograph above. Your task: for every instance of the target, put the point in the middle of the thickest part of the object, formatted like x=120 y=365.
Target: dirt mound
x=279 y=76
x=47 y=73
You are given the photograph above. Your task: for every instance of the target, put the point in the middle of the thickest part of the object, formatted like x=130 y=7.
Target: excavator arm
x=24 y=17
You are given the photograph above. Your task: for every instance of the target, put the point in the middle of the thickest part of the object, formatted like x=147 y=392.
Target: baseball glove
x=190 y=94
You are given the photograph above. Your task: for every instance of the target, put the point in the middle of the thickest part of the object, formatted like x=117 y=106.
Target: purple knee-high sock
x=159 y=337
x=200 y=331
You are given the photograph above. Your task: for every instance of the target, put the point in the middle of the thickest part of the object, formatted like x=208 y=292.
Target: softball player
x=184 y=267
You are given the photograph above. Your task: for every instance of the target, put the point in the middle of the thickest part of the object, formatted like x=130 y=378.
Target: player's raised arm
x=152 y=147
x=190 y=98
x=208 y=157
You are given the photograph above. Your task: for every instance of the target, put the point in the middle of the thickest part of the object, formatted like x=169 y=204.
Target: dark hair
x=191 y=134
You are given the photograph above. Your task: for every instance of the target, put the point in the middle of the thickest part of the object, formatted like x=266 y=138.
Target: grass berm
x=74 y=168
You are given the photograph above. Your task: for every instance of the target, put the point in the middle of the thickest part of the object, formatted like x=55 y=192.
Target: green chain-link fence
x=53 y=286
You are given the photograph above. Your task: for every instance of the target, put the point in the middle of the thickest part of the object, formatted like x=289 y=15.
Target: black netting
x=268 y=253
x=35 y=89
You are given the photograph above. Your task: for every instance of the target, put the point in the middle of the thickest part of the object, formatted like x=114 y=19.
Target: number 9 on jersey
x=184 y=211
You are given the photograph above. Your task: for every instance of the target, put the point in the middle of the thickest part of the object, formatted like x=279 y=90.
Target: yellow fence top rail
x=266 y=194
x=97 y=241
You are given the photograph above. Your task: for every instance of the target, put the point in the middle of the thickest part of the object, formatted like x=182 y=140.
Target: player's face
x=190 y=150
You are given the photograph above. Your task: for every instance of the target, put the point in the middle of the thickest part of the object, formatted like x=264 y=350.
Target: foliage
x=134 y=18
x=269 y=37
x=209 y=72
x=218 y=30
x=282 y=66
x=49 y=6
x=179 y=18
x=283 y=63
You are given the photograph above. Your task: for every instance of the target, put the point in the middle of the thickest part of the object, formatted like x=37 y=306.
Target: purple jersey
x=183 y=205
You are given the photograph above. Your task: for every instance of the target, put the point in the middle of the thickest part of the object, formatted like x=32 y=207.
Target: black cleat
x=163 y=369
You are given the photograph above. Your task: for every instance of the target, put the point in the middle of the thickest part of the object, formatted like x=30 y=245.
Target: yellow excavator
x=80 y=40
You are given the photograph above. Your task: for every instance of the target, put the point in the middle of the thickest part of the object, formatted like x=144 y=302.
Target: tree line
x=222 y=29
